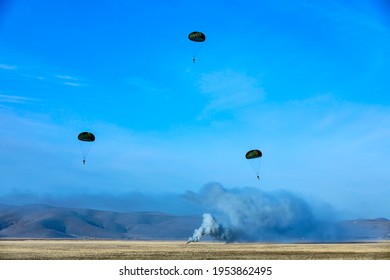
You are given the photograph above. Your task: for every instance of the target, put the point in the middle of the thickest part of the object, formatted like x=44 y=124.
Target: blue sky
x=304 y=81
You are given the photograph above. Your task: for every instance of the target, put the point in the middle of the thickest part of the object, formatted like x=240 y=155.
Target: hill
x=366 y=229
x=43 y=221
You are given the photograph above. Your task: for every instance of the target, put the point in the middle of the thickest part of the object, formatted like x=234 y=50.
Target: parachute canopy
x=197 y=36
x=86 y=136
x=253 y=154
x=254 y=158
x=86 y=142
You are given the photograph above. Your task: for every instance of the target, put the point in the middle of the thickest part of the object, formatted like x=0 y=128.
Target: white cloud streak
x=71 y=84
x=16 y=99
x=66 y=77
x=69 y=80
x=229 y=90
x=8 y=67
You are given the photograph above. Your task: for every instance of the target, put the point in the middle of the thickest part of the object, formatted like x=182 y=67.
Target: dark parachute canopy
x=254 y=157
x=86 y=140
x=86 y=136
x=253 y=154
x=197 y=36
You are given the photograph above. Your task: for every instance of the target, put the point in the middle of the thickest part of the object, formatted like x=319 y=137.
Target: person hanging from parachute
x=254 y=157
x=197 y=37
x=86 y=140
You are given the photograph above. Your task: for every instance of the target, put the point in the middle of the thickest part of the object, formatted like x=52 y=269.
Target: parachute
x=197 y=37
x=86 y=140
x=254 y=157
x=253 y=154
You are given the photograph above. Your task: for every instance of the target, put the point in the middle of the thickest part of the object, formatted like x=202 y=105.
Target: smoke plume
x=248 y=214
x=210 y=227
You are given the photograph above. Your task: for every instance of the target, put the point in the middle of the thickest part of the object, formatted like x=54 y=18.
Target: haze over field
x=238 y=215
x=305 y=82
x=47 y=222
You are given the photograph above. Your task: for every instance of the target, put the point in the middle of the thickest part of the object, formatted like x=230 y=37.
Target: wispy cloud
x=229 y=90
x=66 y=77
x=16 y=99
x=71 y=84
x=8 y=67
x=33 y=74
x=69 y=80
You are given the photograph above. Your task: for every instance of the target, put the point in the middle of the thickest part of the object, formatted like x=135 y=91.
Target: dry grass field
x=179 y=250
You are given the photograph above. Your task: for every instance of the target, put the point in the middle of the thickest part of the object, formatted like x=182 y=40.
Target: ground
x=179 y=250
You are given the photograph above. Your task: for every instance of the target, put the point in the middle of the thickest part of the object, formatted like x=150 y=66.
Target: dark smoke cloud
x=248 y=214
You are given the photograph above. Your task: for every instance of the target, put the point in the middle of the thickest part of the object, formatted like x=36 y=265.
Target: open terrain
x=179 y=250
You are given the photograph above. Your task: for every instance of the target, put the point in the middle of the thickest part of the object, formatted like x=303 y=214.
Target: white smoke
x=249 y=214
x=211 y=228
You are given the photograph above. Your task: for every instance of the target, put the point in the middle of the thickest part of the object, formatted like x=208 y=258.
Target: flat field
x=179 y=250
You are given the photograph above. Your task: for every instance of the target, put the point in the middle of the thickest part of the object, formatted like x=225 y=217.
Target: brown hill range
x=43 y=221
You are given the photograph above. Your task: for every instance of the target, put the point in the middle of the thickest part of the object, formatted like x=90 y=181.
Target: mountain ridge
x=45 y=221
